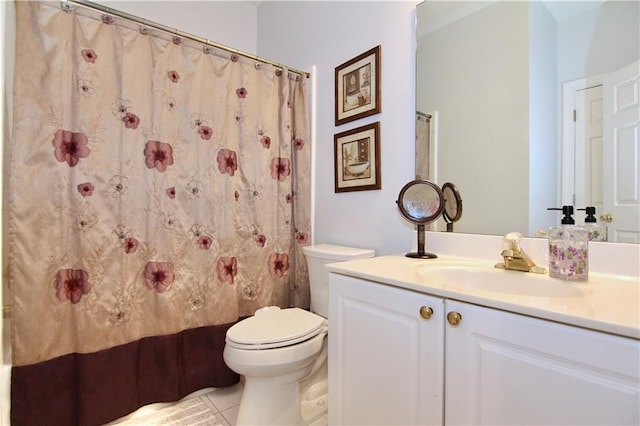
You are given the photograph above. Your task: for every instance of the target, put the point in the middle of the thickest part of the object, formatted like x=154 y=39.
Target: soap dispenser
x=568 y=249
x=596 y=231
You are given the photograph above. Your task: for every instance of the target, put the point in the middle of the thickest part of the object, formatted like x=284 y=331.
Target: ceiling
x=443 y=12
x=562 y=10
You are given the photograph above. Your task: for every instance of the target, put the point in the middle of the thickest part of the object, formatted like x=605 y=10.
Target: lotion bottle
x=568 y=249
x=596 y=231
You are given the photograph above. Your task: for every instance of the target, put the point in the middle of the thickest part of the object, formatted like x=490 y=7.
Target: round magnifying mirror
x=421 y=202
x=452 y=204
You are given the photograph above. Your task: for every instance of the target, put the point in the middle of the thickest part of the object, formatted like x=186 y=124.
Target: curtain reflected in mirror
x=423 y=145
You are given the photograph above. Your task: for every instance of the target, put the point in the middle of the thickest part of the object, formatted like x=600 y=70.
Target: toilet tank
x=319 y=255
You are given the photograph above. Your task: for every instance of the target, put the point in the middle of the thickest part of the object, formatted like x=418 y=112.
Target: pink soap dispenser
x=568 y=249
x=596 y=231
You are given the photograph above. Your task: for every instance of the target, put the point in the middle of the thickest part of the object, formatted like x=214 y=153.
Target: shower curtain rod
x=66 y=6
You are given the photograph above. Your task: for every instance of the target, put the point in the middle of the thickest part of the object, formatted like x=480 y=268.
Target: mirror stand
x=421 y=254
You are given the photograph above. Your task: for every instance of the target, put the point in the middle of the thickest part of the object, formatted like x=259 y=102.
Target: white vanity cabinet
x=385 y=355
x=389 y=365
x=505 y=368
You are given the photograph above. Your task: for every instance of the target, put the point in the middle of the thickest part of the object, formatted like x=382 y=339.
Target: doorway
x=600 y=151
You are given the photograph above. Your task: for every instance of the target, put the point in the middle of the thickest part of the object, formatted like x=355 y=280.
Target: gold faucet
x=515 y=258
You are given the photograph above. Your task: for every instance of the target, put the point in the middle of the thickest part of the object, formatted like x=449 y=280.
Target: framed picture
x=357 y=159
x=358 y=87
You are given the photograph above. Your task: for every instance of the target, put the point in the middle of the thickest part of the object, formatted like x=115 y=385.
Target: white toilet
x=277 y=350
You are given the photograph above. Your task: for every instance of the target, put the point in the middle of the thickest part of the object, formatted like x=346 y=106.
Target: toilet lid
x=273 y=327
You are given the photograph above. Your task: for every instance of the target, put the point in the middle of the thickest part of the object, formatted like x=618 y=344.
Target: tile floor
x=224 y=401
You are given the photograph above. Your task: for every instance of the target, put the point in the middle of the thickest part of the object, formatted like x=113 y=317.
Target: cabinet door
x=385 y=359
x=504 y=368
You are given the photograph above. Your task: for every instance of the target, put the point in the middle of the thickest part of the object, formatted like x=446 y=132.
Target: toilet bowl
x=273 y=365
x=282 y=352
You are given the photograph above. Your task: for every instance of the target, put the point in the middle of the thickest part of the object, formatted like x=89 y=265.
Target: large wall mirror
x=497 y=86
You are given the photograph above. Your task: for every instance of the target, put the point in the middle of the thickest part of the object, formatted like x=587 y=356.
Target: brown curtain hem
x=93 y=389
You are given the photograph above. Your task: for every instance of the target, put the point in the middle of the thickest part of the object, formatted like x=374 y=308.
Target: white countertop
x=608 y=303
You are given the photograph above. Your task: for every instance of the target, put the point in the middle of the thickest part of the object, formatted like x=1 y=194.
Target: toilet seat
x=273 y=327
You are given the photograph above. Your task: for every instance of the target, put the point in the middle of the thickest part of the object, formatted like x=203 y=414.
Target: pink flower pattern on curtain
x=155 y=186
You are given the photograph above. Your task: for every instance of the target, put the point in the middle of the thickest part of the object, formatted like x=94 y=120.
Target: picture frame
x=357 y=87
x=357 y=159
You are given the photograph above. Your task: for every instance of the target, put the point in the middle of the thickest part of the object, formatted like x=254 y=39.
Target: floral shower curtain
x=159 y=191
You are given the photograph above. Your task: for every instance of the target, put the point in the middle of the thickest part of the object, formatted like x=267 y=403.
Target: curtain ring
x=206 y=48
x=143 y=29
x=66 y=6
x=176 y=38
x=107 y=18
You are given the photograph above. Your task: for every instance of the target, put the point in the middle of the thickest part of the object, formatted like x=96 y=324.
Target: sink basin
x=487 y=278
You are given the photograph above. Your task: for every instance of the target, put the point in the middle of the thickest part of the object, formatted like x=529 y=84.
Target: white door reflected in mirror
x=621 y=153
x=604 y=134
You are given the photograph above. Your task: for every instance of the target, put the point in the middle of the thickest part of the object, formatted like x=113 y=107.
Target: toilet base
x=289 y=400
x=267 y=402
x=314 y=399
